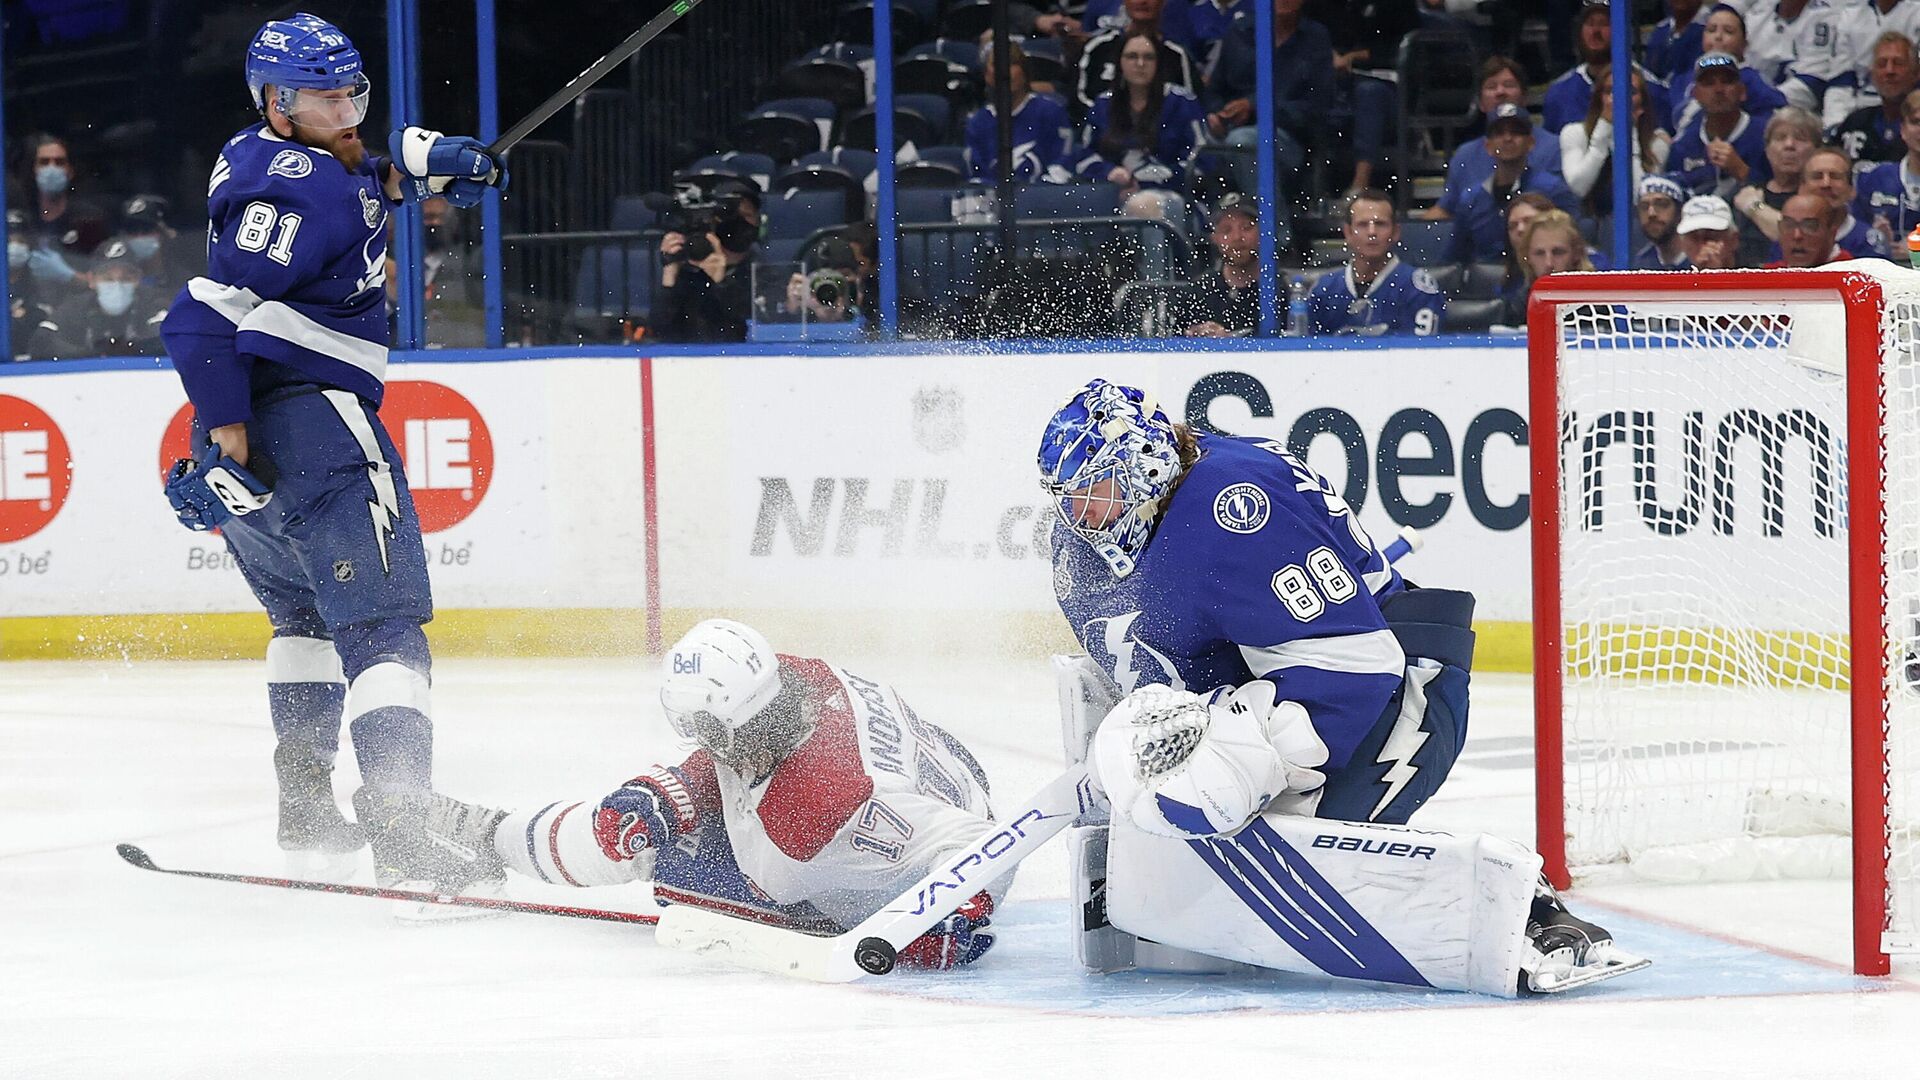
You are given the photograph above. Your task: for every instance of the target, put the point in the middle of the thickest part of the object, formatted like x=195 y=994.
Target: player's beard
x=343 y=143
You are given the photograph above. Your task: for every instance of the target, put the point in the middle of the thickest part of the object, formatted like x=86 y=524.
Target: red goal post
x=1727 y=583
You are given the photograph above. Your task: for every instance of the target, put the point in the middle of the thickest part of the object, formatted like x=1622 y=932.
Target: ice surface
x=108 y=972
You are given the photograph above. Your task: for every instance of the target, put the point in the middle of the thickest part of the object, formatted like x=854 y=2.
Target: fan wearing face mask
x=116 y=315
x=61 y=227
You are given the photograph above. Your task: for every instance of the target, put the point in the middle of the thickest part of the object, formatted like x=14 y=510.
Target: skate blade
x=414 y=913
x=333 y=867
x=1611 y=964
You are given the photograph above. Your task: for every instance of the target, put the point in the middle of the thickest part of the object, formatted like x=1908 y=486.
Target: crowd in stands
x=1764 y=133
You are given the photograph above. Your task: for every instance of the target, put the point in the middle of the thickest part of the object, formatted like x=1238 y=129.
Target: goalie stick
x=140 y=859
x=870 y=947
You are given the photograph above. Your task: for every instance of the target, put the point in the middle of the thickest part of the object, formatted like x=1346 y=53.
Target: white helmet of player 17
x=717 y=679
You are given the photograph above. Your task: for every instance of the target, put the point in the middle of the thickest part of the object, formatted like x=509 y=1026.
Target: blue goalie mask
x=1109 y=457
x=301 y=57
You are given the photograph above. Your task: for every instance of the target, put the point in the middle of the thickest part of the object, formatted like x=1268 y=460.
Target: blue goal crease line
x=1031 y=968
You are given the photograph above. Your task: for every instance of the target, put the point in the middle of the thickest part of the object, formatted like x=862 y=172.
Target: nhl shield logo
x=1241 y=508
x=938 y=423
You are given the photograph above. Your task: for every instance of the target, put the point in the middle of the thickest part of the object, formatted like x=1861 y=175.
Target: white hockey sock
x=555 y=844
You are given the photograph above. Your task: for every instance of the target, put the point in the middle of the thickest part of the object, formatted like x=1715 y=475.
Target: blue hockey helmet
x=306 y=52
x=1109 y=457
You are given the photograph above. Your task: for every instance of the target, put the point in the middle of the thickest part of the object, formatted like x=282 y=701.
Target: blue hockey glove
x=454 y=166
x=955 y=941
x=648 y=811
x=208 y=493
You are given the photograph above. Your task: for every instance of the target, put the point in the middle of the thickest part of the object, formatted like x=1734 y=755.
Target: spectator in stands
x=1480 y=210
x=1725 y=31
x=32 y=321
x=1553 y=244
x=1522 y=212
x=1100 y=63
x=1658 y=211
x=1143 y=133
x=63 y=227
x=1376 y=293
x=1708 y=235
x=116 y=316
x=1302 y=92
x=1795 y=45
x=1586 y=148
x=1229 y=301
x=1568 y=96
x=1809 y=224
x=1042 y=130
x=456 y=309
x=1502 y=82
x=1887 y=197
x=163 y=258
x=1724 y=146
x=1674 y=43
x=1861 y=25
x=1828 y=172
x=1792 y=134
x=709 y=299
x=1366 y=52
x=1873 y=133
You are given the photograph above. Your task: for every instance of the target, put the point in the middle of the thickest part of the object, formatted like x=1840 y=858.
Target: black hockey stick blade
x=137 y=857
x=584 y=81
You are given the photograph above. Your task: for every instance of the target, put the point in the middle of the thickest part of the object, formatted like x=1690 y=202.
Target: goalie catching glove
x=455 y=167
x=1176 y=764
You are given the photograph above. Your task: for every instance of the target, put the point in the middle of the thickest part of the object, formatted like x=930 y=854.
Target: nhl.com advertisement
x=872 y=484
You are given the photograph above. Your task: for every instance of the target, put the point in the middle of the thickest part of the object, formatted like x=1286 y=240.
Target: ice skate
x=319 y=842
x=1565 y=951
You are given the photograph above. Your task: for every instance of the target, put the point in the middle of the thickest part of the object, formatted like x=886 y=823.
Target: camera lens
x=827 y=291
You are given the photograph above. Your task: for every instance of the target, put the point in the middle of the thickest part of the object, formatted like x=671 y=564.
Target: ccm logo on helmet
x=1396 y=848
x=686 y=665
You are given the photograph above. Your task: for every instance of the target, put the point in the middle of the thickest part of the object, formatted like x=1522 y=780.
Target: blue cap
x=1716 y=61
x=1508 y=113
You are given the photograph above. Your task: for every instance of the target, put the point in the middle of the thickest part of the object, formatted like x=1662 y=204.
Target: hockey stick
x=584 y=81
x=870 y=948
x=138 y=858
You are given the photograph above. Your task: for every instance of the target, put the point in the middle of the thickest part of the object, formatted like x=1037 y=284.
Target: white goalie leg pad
x=1354 y=900
x=555 y=844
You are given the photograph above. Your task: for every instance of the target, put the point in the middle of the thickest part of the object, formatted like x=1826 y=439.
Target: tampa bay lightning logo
x=1241 y=508
x=292 y=164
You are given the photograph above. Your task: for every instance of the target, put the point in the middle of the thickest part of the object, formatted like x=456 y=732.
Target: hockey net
x=1726 y=478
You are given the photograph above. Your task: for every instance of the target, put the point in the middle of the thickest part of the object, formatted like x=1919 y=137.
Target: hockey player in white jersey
x=814 y=797
x=1273 y=701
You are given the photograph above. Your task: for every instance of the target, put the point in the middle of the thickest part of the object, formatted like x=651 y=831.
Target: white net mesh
x=1704 y=584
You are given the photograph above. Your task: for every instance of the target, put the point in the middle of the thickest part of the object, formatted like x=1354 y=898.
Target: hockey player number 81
x=256 y=227
x=1294 y=584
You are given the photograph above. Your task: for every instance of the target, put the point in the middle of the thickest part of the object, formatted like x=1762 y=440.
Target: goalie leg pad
x=1377 y=902
x=1100 y=946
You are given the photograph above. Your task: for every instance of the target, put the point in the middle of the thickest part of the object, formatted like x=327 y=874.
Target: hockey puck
x=874 y=956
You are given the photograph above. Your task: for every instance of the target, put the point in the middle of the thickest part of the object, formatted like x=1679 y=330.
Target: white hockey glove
x=1176 y=764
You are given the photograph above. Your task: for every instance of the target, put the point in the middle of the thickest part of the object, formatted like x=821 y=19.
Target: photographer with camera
x=831 y=292
x=706 y=289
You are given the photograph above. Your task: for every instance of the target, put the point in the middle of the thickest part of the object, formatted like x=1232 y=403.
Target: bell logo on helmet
x=686 y=665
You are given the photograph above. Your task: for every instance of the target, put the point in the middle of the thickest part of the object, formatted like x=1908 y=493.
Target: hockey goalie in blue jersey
x=282 y=349
x=1259 y=682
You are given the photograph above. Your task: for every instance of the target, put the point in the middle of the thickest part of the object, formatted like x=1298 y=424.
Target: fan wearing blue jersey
x=282 y=348
x=1266 y=657
x=1374 y=293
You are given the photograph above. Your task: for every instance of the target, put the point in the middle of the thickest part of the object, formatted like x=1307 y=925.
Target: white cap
x=1705 y=212
x=721 y=667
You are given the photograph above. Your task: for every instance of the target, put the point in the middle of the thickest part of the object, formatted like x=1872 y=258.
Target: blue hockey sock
x=392 y=736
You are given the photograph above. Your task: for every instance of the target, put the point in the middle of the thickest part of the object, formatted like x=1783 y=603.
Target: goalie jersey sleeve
x=1258 y=569
x=296 y=274
x=862 y=809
